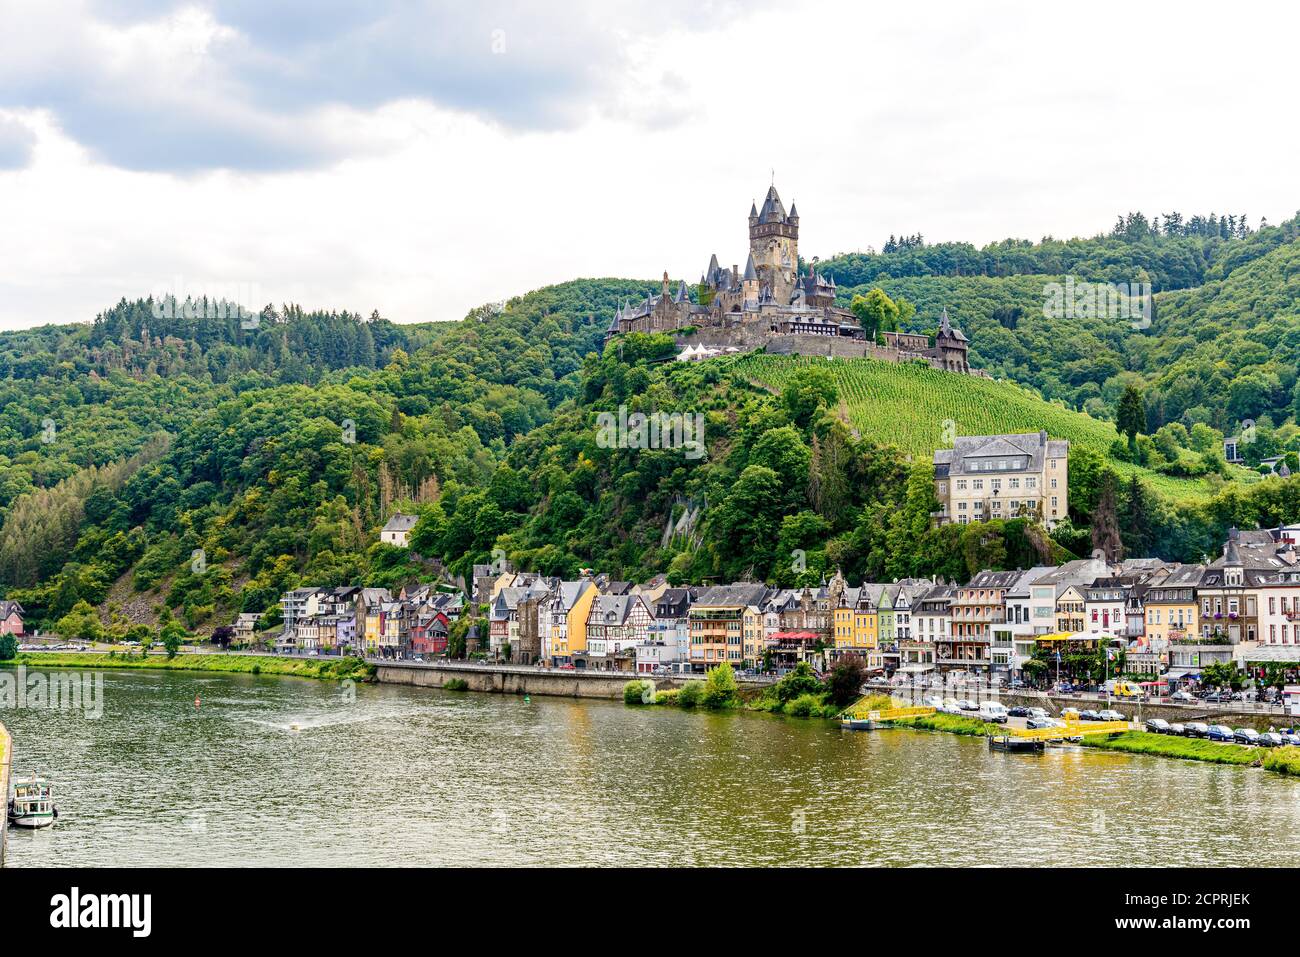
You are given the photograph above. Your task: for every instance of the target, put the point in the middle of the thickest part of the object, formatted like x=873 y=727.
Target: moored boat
x=32 y=803
x=1015 y=745
x=858 y=724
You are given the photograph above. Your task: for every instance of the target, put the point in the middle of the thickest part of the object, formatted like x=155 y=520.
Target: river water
x=285 y=771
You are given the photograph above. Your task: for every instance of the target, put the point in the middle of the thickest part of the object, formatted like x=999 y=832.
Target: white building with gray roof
x=984 y=477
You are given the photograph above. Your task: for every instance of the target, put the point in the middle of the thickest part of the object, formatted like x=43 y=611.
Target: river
x=287 y=771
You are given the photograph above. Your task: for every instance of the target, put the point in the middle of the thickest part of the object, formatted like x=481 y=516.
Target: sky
x=421 y=159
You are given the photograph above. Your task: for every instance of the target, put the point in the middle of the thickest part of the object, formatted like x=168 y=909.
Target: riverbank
x=1285 y=761
x=1187 y=749
x=325 y=669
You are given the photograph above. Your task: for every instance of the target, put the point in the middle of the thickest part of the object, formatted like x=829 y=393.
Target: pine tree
x=1131 y=417
x=1137 y=519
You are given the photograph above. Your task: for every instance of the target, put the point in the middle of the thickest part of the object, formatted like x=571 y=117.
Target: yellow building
x=574 y=640
x=753 y=643
x=1071 y=605
x=1170 y=607
x=856 y=622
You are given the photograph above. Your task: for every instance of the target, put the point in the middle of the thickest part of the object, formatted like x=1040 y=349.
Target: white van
x=994 y=711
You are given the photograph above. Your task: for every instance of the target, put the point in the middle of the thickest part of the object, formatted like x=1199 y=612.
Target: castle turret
x=750 y=284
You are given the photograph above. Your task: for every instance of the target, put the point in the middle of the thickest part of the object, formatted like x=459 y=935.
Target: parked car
x=1219 y=732
x=1038 y=713
x=1110 y=714
x=1197 y=729
x=1088 y=714
x=1070 y=713
x=1176 y=728
x=1018 y=711
x=967 y=705
x=1181 y=695
x=1291 y=739
x=994 y=711
x=1036 y=722
x=1271 y=739
x=933 y=701
x=1245 y=735
x=1157 y=725
x=950 y=705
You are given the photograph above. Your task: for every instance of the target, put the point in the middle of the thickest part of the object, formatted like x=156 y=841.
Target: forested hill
x=275 y=449
x=1222 y=346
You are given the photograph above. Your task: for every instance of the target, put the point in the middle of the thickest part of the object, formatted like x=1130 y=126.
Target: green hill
x=909 y=404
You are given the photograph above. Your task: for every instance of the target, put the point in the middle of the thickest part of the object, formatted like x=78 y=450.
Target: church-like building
x=771 y=295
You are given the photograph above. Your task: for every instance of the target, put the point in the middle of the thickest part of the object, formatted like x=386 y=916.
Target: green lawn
x=333 y=669
x=1191 y=749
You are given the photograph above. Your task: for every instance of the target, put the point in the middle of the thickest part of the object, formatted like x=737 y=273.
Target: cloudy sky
x=423 y=158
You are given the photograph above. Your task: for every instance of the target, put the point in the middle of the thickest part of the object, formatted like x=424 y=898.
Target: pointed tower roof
x=946 y=330
x=794 y=210
x=681 y=292
x=773 y=210
x=751 y=272
x=753 y=209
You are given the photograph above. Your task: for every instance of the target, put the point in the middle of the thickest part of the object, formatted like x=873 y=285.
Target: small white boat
x=32 y=803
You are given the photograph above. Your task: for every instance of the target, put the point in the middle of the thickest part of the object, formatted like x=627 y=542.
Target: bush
x=668 y=697
x=798 y=682
x=720 y=687
x=638 y=692
x=804 y=706
x=456 y=684
x=690 y=694
x=8 y=647
x=845 y=682
x=1284 y=761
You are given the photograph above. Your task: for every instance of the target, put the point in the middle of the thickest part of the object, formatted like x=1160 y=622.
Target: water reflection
x=289 y=771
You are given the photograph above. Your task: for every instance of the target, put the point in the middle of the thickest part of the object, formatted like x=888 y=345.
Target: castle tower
x=774 y=245
x=750 y=285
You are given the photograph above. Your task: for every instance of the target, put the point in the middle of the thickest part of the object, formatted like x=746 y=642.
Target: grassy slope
x=336 y=669
x=906 y=404
x=1191 y=749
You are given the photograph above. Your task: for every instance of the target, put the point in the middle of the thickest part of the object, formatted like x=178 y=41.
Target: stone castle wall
x=754 y=336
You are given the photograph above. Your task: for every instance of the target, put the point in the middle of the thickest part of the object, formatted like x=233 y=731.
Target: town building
x=985 y=477
x=398 y=530
x=976 y=609
x=568 y=611
x=717 y=624
x=1278 y=608
x=1171 y=607
x=1030 y=612
x=616 y=624
x=11 y=618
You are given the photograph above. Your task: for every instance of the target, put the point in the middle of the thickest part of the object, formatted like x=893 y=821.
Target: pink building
x=11 y=618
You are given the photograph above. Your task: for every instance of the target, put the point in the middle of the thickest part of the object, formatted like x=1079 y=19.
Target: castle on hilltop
x=772 y=298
